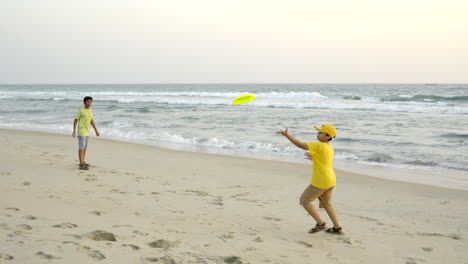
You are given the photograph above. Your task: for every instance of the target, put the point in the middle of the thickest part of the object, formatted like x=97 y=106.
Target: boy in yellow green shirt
x=323 y=177
x=84 y=118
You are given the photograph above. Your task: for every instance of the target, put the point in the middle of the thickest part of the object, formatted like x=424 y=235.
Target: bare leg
x=310 y=194
x=332 y=214
x=81 y=156
x=310 y=208
x=84 y=155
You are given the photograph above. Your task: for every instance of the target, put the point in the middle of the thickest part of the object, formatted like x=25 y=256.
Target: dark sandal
x=87 y=164
x=318 y=228
x=333 y=230
x=83 y=167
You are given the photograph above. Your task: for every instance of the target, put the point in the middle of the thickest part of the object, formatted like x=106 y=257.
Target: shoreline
x=158 y=204
x=437 y=178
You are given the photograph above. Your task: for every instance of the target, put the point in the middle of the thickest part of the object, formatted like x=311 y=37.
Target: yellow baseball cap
x=327 y=128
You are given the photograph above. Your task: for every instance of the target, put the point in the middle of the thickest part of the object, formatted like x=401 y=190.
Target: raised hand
x=283 y=132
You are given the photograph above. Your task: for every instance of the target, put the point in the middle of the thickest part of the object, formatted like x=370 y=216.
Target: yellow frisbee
x=244 y=99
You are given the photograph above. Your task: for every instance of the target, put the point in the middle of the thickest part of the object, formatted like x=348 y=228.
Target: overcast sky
x=238 y=41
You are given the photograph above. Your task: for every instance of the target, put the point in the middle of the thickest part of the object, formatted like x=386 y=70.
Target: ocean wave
x=425 y=98
x=379 y=157
x=412 y=107
x=268 y=95
x=278 y=95
x=293 y=99
x=352 y=97
x=120 y=130
x=455 y=135
x=422 y=163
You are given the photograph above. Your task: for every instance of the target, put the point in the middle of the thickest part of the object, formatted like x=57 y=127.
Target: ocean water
x=409 y=126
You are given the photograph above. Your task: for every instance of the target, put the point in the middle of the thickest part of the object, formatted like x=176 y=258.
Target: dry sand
x=143 y=204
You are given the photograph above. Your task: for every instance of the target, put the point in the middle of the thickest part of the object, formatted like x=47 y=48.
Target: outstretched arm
x=295 y=141
x=95 y=128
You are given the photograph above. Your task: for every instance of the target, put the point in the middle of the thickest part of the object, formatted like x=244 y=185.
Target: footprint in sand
x=91 y=177
x=240 y=194
x=225 y=237
x=414 y=260
x=100 y=235
x=24 y=227
x=98 y=213
x=165 y=259
x=117 y=191
x=232 y=260
x=304 y=244
x=218 y=201
x=258 y=239
x=6 y=256
x=139 y=233
x=452 y=236
x=73 y=235
x=164 y=244
x=176 y=211
x=71 y=242
x=122 y=226
x=12 y=208
x=134 y=247
x=345 y=240
x=155 y=195
x=30 y=217
x=26 y=183
x=199 y=193
x=94 y=254
x=46 y=256
x=65 y=225
x=5 y=173
x=138 y=178
x=272 y=218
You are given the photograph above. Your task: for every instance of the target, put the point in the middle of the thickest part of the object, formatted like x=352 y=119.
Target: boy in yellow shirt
x=84 y=118
x=323 y=177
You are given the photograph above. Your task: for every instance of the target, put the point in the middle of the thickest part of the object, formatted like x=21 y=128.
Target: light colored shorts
x=311 y=193
x=82 y=142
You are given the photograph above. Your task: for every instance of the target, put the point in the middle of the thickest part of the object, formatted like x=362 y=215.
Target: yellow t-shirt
x=323 y=175
x=84 y=117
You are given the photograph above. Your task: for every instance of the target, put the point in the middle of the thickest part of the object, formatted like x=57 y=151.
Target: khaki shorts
x=311 y=193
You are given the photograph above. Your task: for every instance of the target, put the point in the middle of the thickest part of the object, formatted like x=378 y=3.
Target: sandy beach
x=144 y=204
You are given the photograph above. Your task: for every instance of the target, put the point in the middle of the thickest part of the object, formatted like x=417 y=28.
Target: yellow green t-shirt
x=84 y=118
x=323 y=175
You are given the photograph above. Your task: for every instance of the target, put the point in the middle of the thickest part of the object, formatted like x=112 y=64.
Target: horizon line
x=164 y=83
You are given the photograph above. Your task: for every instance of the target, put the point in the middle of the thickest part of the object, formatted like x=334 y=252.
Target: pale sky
x=238 y=41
